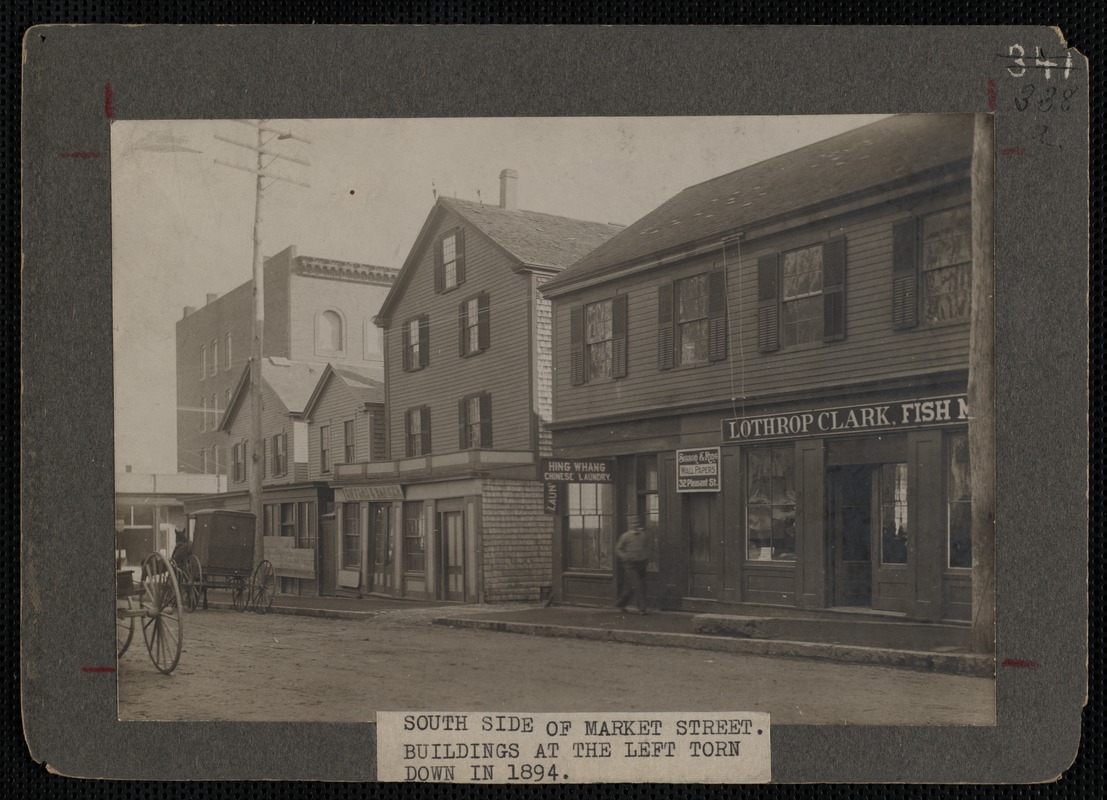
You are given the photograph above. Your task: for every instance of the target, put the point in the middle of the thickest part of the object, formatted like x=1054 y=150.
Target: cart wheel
x=240 y=595
x=162 y=623
x=124 y=626
x=194 y=583
x=261 y=595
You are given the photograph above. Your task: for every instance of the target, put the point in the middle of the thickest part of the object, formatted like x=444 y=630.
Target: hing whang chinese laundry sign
x=698 y=469
x=848 y=419
x=585 y=470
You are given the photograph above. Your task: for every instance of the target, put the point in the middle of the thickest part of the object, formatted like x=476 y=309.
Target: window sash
x=351 y=535
x=413 y=343
x=449 y=260
x=771 y=504
x=349 y=441
x=415 y=549
x=472 y=325
x=324 y=448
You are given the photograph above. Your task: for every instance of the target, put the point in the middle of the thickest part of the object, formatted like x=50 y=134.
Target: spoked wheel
x=262 y=587
x=124 y=626
x=240 y=593
x=162 y=623
x=193 y=583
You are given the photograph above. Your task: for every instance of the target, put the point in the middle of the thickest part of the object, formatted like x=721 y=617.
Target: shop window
x=959 y=493
x=325 y=448
x=329 y=332
x=349 y=441
x=801 y=295
x=692 y=320
x=771 y=504
x=598 y=340
x=449 y=261
x=351 y=535
x=238 y=458
x=472 y=322
x=649 y=503
x=288 y=520
x=416 y=343
x=893 y=513
x=475 y=421
x=305 y=524
x=269 y=515
x=590 y=523
x=280 y=461
x=932 y=268
x=415 y=544
x=418 y=431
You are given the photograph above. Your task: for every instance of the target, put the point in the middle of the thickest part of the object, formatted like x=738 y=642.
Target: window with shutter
x=768 y=303
x=597 y=340
x=425 y=425
x=619 y=336
x=576 y=345
x=665 y=326
x=475 y=421
x=417 y=431
x=905 y=278
x=946 y=265
x=691 y=319
x=801 y=302
x=473 y=325
x=834 y=289
x=424 y=340
x=716 y=316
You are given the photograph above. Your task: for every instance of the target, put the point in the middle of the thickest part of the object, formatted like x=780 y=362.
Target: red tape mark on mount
x=97 y=669
x=78 y=155
x=109 y=112
x=1018 y=662
x=991 y=95
x=1013 y=151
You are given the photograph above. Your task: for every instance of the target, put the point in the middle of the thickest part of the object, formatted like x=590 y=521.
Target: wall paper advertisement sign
x=951 y=409
x=698 y=469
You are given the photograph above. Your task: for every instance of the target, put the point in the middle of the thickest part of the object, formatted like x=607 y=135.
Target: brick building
x=316 y=311
x=456 y=513
x=770 y=369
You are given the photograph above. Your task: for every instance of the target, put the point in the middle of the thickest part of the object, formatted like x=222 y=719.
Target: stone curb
x=296 y=611
x=951 y=663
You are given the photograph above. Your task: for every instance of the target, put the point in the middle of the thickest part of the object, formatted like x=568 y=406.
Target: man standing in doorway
x=632 y=549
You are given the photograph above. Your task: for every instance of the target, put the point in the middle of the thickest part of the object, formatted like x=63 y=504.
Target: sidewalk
x=657 y=629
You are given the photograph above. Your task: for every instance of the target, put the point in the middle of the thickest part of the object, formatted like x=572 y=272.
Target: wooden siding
x=516 y=541
x=274 y=420
x=335 y=406
x=503 y=370
x=870 y=350
x=543 y=367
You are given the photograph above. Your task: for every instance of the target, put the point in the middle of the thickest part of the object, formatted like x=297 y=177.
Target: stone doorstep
x=950 y=663
x=884 y=634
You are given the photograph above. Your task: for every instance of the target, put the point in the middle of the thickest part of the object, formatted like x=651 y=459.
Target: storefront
x=857 y=504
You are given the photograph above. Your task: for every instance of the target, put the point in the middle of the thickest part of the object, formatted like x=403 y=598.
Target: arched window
x=203 y=362
x=329 y=334
x=214 y=356
x=227 y=352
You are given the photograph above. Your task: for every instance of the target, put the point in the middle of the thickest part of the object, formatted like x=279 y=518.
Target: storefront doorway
x=866 y=524
x=705 y=554
x=380 y=547
x=328 y=550
x=451 y=548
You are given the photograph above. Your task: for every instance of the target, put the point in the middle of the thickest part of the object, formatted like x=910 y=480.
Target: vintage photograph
x=576 y=413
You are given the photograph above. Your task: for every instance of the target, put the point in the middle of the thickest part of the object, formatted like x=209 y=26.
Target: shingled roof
x=864 y=158
x=536 y=239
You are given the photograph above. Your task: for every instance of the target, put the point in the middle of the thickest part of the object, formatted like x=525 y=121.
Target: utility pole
x=265 y=158
x=982 y=430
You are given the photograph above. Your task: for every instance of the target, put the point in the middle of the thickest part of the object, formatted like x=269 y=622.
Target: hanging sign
x=697 y=469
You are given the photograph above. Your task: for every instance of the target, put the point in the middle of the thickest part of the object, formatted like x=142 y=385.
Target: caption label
x=670 y=747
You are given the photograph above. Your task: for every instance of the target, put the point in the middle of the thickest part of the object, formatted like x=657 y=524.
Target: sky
x=182 y=224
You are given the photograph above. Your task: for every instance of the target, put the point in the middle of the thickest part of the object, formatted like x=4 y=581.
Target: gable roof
x=364 y=388
x=865 y=158
x=291 y=381
x=530 y=238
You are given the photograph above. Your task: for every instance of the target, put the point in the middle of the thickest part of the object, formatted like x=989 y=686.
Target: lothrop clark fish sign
x=848 y=419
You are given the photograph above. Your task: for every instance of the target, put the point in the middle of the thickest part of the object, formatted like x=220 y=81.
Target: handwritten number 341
x=1018 y=54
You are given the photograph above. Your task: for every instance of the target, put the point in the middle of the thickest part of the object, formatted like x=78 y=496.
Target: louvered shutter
x=424 y=340
x=459 y=249
x=483 y=314
x=716 y=315
x=261 y=459
x=619 y=336
x=486 y=420
x=425 y=419
x=576 y=345
x=905 y=274
x=665 y=342
x=834 y=289
x=463 y=424
x=768 y=304
x=405 y=336
x=439 y=273
x=463 y=328
x=407 y=432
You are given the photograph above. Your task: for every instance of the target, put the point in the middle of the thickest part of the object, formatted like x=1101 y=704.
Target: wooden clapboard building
x=774 y=364
x=456 y=512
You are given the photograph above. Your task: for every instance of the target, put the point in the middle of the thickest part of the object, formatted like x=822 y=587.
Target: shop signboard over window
x=697 y=469
x=557 y=473
x=898 y=415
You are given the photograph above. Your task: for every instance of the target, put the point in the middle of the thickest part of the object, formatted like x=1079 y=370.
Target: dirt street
x=247 y=667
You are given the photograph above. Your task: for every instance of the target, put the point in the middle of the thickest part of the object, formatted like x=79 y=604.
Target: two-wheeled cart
x=155 y=604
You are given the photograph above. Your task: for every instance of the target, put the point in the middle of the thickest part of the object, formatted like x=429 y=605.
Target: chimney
x=189 y=311
x=508 y=180
x=212 y=297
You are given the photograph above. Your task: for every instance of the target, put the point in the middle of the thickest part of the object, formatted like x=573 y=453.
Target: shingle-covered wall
x=543 y=367
x=516 y=540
